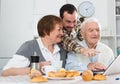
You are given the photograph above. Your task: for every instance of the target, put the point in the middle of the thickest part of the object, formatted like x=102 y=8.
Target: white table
x=77 y=80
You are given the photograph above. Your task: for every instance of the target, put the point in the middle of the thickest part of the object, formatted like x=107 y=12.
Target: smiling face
x=69 y=20
x=50 y=29
x=56 y=34
x=91 y=33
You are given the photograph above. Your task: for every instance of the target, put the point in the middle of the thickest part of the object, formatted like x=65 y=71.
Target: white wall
x=103 y=10
x=18 y=20
x=45 y=7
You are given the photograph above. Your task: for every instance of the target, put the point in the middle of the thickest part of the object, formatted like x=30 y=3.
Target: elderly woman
x=46 y=46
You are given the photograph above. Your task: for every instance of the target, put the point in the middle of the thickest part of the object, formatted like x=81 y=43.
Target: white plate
x=59 y=78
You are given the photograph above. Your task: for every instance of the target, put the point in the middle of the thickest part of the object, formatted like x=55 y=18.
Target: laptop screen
x=113 y=68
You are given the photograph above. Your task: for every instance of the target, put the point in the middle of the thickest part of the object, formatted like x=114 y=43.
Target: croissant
x=39 y=79
x=99 y=77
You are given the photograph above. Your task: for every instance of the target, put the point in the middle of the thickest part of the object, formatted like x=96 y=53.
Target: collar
x=73 y=34
x=86 y=46
x=42 y=47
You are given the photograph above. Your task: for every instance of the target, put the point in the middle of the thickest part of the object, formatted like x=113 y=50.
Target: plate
x=59 y=78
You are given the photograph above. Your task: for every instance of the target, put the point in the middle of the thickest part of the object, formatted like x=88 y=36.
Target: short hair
x=67 y=7
x=87 y=20
x=47 y=24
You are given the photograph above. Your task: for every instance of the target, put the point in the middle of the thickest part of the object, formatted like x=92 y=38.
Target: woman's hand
x=44 y=63
x=34 y=73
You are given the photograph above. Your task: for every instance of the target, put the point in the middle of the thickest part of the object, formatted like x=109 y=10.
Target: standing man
x=71 y=27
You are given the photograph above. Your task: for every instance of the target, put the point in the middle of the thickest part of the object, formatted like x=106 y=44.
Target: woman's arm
x=16 y=71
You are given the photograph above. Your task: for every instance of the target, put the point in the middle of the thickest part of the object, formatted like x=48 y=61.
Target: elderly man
x=90 y=31
x=71 y=27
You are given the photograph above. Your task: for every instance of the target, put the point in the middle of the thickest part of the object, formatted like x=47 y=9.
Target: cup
x=57 y=64
x=48 y=68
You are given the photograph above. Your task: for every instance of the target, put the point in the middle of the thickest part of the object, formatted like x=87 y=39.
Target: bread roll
x=99 y=77
x=51 y=74
x=60 y=74
x=76 y=73
x=87 y=75
x=39 y=79
x=62 y=70
x=34 y=73
x=69 y=74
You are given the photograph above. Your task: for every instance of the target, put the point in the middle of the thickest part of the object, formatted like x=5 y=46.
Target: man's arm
x=70 y=44
x=16 y=71
x=73 y=63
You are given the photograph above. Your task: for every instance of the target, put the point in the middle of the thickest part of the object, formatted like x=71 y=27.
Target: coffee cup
x=46 y=69
x=58 y=65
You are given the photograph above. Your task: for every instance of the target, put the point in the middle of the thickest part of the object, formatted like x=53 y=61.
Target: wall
x=44 y=8
x=15 y=25
x=18 y=20
x=103 y=10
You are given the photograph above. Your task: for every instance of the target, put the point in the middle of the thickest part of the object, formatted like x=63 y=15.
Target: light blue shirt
x=79 y=61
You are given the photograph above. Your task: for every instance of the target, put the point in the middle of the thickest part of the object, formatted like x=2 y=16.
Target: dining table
x=25 y=79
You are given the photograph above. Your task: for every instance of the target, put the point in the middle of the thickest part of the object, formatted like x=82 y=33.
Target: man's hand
x=95 y=66
x=89 y=52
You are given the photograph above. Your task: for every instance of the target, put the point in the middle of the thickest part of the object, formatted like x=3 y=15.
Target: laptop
x=113 y=68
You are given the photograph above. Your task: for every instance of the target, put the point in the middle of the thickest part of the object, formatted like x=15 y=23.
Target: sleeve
x=106 y=55
x=26 y=49
x=21 y=58
x=79 y=36
x=78 y=29
x=70 y=44
x=72 y=63
x=17 y=61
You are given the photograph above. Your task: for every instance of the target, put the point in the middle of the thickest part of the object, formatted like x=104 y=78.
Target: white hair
x=87 y=20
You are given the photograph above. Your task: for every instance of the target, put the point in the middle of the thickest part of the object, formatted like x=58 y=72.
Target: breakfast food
x=87 y=75
x=62 y=70
x=76 y=73
x=99 y=77
x=60 y=74
x=56 y=74
x=34 y=72
x=39 y=79
x=64 y=73
x=35 y=76
x=51 y=74
x=69 y=74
